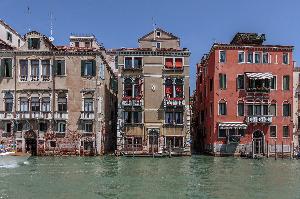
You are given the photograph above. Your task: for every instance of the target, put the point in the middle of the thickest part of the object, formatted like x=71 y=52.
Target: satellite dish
x=51 y=39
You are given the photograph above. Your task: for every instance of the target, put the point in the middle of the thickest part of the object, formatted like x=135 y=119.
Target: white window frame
x=290 y=106
x=289 y=131
x=132 y=61
x=244 y=57
x=289 y=83
x=220 y=56
x=275 y=109
x=268 y=61
x=275 y=83
x=219 y=107
x=237 y=82
x=59 y=127
x=288 y=59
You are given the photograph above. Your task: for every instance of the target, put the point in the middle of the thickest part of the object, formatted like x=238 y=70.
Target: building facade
x=153 y=97
x=244 y=98
x=57 y=99
x=296 y=106
x=10 y=36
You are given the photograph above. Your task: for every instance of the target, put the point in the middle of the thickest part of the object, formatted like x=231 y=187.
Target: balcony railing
x=258 y=90
x=34 y=78
x=6 y=115
x=259 y=119
x=129 y=101
x=46 y=115
x=22 y=115
x=45 y=78
x=172 y=102
x=58 y=115
x=23 y=78
x=87 y=115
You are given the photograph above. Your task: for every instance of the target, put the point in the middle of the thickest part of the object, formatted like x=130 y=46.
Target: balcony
x=22 y=115
x=129 y=101
x=6 y=115
x=265 y=119
x=34 y=78
x=87 y=115
x=58 y=115
x=45 y=78
x=174 y=102
x=23 y=78
x=46 y=115
x=258 y=90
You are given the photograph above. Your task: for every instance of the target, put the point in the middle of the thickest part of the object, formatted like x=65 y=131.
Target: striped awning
x=259 y=75
x=232 y=125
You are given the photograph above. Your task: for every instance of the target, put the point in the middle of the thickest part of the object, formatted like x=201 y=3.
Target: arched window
x=8 y=99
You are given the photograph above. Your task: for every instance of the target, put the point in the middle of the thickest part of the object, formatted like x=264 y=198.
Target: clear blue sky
x=119 y=23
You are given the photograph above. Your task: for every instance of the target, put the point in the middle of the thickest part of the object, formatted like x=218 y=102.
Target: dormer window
x=9 y=36
x=33 y=43
x=87 y=44
x=158 y=33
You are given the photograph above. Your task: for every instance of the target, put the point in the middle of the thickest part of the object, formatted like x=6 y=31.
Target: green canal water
x=120 y=177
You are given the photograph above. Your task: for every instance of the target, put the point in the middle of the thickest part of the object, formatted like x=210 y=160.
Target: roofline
x=160 y=29
x=251 y=46
x=11 y=29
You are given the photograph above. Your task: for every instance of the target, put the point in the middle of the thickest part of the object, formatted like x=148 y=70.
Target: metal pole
x=268 y=149
x=169 y=148
x=282 y=149
x=253 y=148
x=293 y=149
x=275 y=150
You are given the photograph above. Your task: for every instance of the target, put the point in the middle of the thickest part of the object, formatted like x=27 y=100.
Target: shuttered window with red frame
x=178 y=63
x=169 y=62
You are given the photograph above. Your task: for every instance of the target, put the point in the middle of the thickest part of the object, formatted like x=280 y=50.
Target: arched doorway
x=30 y=142
x=258 y=142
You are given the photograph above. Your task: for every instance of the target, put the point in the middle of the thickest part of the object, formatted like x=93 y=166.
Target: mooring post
x=293 y=149
x=259 y=147
x=152 y=150
x=169 y=148
x=275 y=150
x=252 y=149
x=282 y=149
x=268 y=149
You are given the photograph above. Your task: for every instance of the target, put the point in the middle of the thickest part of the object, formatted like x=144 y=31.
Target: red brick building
x=244 y=98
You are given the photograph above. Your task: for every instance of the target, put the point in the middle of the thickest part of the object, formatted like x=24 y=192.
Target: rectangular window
x=8 y=104
x=137 y=117
x=265 y=109
x=285 y=58
x=286 y=82
x=257 y=57
x=250 y=109
x=23 y=104
x=257 y=109
x=23 y=70
x=88 y=68
x=33 y=43
x=35 y=104
x=62 y=104
x=6 y=67
x=273 y=131
x=272 y=110
x=9 y=36
x=241 y=57
x=88 y=127
x=286 y=110
x=60 y=67
x=222 y=108
x=43 y=127
x=46 y=104
x=137 y=62
x=178 y=118
x=250 y=57
x=240 y=109
x=168 y=62
x=222 y=55
x=88 y=105
x=222 y=81
x=241 y=82
x=169 y=118
x=46 y=70
x=178 y=63
x=35 y=70
x=274 y=83
x=211 y=84
x=222 y=133
x=127 y=117
x=158 y=45
x=265 y=58
x=61 y=127
x=128 y=62
x=285 y=131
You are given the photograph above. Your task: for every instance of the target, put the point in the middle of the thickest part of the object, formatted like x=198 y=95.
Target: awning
x=232 y=125
x=259 y=75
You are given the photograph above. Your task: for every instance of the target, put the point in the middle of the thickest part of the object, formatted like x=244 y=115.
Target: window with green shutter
x=6 y=67
x=59 y=67
x=88 y=68
x=222 y=81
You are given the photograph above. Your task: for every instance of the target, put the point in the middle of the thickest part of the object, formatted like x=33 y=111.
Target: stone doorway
x=153 y=136
x=258 y=142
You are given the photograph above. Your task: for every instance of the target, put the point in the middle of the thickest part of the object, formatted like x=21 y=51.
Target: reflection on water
x=187 y=177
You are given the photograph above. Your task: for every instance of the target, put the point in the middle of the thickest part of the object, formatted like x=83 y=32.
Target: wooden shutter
x=93 y=68
x=82 y=67
x=9 y=64
x=54 y=68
